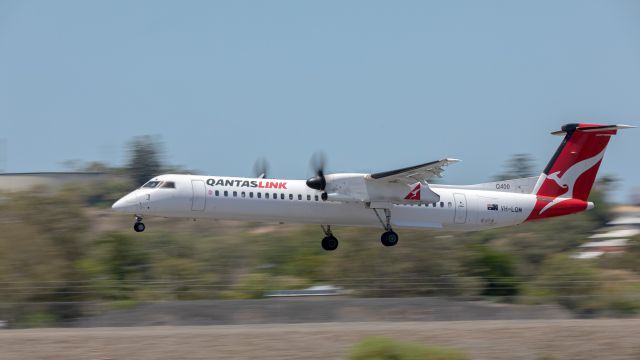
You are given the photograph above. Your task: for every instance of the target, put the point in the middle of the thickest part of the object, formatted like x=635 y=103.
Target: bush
x=381 y=348
x=497 y=269
x=572 y=283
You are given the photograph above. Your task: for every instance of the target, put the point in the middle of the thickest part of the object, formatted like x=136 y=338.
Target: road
x=610 y=339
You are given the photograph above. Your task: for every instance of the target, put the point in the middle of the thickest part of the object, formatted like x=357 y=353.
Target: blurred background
x=98 y=97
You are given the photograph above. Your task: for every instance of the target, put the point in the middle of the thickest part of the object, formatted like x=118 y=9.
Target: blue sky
x=377 y=85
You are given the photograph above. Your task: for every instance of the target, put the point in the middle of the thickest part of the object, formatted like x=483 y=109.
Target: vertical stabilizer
x=571 y=172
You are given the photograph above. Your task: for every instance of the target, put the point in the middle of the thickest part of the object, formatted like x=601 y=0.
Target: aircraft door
x=199 y=195
x=461 y=208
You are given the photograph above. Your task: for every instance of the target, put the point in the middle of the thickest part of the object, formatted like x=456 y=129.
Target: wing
x=413 y=174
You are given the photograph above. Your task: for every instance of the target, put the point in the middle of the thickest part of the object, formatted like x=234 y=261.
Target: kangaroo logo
x=569 y=178
x=414 y=194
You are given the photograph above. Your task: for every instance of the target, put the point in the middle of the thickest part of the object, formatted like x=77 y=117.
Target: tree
x=144 y=160
x=518 y=166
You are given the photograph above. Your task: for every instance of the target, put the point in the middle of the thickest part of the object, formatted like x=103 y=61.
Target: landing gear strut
x=139 y=225
x=329 y=242
x=389 y=237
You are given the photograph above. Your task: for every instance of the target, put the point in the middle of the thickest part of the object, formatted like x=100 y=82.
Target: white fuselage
x=460 y=208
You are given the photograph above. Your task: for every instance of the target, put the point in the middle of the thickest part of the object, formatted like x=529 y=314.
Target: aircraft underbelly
x=355 y=214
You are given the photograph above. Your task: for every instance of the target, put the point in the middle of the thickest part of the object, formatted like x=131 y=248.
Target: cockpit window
x=151 y=184
x=168 y=185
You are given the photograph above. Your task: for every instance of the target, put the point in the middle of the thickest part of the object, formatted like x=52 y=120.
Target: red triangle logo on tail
x=414 y=194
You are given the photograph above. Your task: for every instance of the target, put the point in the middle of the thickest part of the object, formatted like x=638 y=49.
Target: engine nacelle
x=338 y=197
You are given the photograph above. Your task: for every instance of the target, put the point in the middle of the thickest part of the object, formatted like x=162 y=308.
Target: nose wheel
x=139 y=225
x=329 y=242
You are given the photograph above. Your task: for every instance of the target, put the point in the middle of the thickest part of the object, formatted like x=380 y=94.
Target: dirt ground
x=515 y=339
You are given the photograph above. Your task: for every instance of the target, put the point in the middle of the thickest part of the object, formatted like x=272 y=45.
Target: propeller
x=261 y=168
x=318 y=162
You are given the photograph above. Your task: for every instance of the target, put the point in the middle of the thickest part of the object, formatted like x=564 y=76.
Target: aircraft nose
x=127 y=204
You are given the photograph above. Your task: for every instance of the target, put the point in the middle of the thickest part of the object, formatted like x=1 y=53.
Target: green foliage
x=41 y=243
x=619 y=293
x=570 y=282
x=249 y=286
x=601 y=212
x=532 y=242
x=382 y=348
x=497 y=269
x=629 y=260
x=102 y=193
x=39 y=318
x=518 y=166
x=144 y=159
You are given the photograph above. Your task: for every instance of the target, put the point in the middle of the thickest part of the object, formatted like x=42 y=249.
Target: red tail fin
x=573 y=168
x=564 y=186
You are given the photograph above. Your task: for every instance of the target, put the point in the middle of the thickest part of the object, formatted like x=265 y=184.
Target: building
x=614 y=238
x=15 y=182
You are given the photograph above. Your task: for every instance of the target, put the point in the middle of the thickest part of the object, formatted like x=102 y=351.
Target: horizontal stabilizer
x=590 y=128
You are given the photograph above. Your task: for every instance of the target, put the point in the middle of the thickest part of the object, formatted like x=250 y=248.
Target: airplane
x=402 y=198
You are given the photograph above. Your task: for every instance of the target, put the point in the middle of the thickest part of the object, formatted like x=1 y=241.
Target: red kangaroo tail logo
x=414 y=194
x=569 y=176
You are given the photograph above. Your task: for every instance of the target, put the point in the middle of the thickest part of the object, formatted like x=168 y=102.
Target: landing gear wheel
x=330 y=243
x=389 y=238
x=138 y=227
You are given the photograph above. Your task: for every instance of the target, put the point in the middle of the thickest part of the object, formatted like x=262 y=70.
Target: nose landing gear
x=139 y=225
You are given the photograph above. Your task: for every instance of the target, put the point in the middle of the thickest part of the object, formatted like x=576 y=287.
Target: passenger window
x=168 y=185
x=449 y=204
x=217 y=192
x=243 y=194
x=259 y=195
x=235 y=194
x=316 y=197
x=299 y=197
x=226 y=193
x=442 y=204
x=308 y=197
x=290 y=196
x=266 y=195
x=282 y=196
x=251 y=194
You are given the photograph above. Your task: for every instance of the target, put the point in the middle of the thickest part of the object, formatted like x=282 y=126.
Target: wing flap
x=416 y=173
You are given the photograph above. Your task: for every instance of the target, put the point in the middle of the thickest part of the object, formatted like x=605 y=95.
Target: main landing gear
x=329 y=242
x=139 y=225
x=389 y=237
